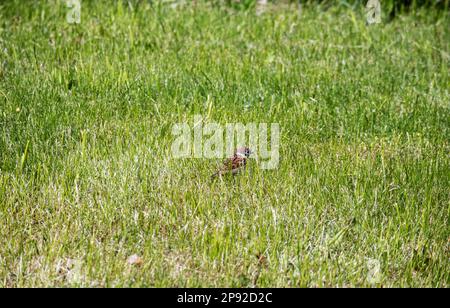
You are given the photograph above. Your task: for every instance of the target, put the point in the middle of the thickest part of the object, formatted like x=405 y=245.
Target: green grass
x=87 y=179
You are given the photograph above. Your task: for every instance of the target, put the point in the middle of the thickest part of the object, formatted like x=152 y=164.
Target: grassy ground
x=87 y=180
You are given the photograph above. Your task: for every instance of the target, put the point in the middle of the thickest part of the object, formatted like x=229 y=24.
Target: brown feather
x=234 y=164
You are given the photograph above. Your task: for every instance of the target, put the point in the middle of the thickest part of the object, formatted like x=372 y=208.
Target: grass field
x=87 y=178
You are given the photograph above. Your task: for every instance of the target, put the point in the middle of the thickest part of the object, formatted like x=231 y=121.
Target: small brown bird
x=234 y=164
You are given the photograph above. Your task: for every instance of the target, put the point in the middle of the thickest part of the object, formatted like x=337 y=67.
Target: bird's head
x=244 y=152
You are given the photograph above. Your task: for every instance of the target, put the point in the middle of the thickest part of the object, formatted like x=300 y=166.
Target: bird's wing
x=227 y=164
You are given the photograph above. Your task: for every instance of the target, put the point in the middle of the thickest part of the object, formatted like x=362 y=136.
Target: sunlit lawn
x=87 y=178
